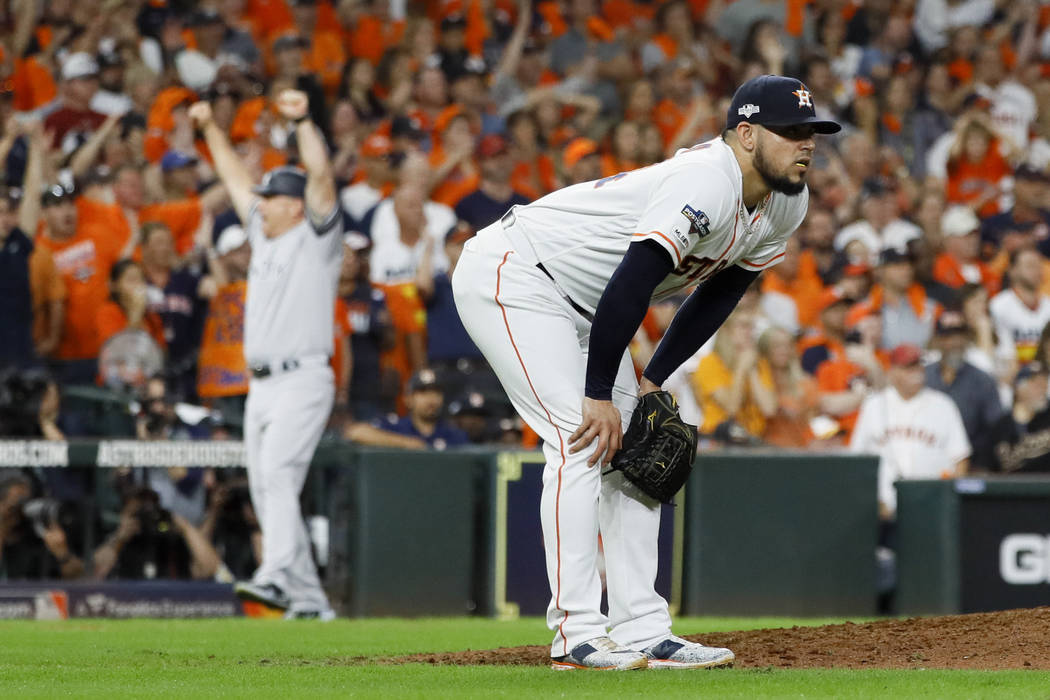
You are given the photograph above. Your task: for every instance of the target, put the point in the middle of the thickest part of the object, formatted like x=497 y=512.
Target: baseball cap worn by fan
x=578 y=149
x=774 y=100
x=285 y=180
x=492 y=145
x=905 y=355
x=950 y=322
x=423 y=380
x=173 y=160
x=831 y=296
x=376 y=146
x=79 y=65
x=1029 y=370
x=959 y=220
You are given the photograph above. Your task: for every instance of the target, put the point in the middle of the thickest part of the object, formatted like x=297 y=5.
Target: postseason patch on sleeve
x=698 y=221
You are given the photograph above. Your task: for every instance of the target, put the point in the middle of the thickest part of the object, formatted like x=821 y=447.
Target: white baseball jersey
x=691 y=205
x=292 y=283
x=921 y=438
x=1018 y=325
x=393 y=262
x=1013 y=109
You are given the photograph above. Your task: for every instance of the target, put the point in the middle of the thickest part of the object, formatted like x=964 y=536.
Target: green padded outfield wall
x=776 y=533
x=412 y=524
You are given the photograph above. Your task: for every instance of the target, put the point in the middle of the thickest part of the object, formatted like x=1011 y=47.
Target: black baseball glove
x=658 y=447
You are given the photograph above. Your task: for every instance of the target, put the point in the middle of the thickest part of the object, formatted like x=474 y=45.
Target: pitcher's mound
x=1016 y=639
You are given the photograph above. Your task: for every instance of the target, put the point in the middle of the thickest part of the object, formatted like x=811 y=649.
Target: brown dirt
x=1012 y=639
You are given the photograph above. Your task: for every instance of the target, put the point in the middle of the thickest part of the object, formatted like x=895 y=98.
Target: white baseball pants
x=284 y=418
x=537 y=345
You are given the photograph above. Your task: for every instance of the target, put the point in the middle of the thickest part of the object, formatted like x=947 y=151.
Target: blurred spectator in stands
x=624 y=150
x=377 y=155
x=128 y=306
x=178 y=175
x=400 y=229
x=734 y=383
x=974 y=392
x=881 y=225
x=582 y=161
x=1027 y=222
x=426 y=404
x=230 y=524
x=1020 y=312
x=1020 y=441
x=359 y=88
x=325 y=56
x=71 y=119
x=111 y=98
x=452 y=158
x=845 y=381
x=916 y=431
x=906 y=312
x=827 y=343
x=33 y=544
x=495 y=194
x=960 y=262
x=534 y=174
x=84 y=254
x=473 y=414
x=371 y=333
x=817 y=238
x=32 y=293
x=222 y=379
x=451 y=353
x=796 y=276
x=179 y=295
x=978 y=163
x=973 y=300
x=1012 y=106
x=796 y=393
x=151 y=542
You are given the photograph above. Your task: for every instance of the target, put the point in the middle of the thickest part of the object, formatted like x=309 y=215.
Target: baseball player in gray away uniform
x=295 y=229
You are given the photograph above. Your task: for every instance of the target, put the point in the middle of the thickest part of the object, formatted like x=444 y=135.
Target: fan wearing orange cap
x=582 y=161
x=359 y=198
x=455 y=174
x=494 y=194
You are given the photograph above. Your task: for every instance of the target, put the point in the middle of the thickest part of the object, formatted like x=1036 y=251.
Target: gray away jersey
x=292 y=285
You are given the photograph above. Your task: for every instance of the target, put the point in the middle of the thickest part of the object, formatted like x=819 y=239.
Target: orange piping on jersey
x=673 y=246
x=763 y=265
x=736 y=221
x=561 y=449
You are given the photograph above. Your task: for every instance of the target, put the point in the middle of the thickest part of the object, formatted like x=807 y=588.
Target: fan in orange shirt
x=798 y=278
x=127 y=307
x=534 y=174
x=977 y=164
x=624 y=146
x=455 y=173
x=84 y=254
x=375 y=32
x=960 y=262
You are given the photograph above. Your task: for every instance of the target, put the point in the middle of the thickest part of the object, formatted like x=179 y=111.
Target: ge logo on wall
x=1025 y=559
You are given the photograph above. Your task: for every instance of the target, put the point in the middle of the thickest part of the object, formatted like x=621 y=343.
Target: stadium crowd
x=123 y=267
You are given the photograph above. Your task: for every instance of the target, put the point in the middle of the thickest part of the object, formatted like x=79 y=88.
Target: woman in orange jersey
x=127 y=308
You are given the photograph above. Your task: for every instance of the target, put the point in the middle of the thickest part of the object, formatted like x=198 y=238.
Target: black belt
x=579 y=309
x=263 y=371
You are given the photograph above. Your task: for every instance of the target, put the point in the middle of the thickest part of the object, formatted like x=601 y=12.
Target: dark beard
x=777 y=183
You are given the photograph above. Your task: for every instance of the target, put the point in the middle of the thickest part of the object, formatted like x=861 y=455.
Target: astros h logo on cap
x=775 y=100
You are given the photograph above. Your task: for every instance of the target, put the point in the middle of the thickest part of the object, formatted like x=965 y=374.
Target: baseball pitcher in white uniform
x=552 y=294
x=295 y=229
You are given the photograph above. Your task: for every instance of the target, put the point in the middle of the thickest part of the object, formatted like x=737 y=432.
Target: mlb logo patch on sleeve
x=698 y=221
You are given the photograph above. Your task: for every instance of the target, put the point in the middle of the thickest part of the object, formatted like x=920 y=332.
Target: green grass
x=270 y=658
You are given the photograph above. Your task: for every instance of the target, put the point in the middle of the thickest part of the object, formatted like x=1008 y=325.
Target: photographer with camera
x=33 y=544
x=151 y=542
x=232 y=527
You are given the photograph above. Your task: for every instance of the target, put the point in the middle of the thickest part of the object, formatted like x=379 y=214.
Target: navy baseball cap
x=774 y=100
x=285 y=180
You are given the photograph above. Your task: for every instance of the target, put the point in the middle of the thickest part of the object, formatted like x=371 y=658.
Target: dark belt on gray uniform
x=263 y=371
x=507 y=221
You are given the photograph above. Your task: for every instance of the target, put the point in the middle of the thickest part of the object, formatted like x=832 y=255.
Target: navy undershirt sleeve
x=699 y=317
x=620 y=311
